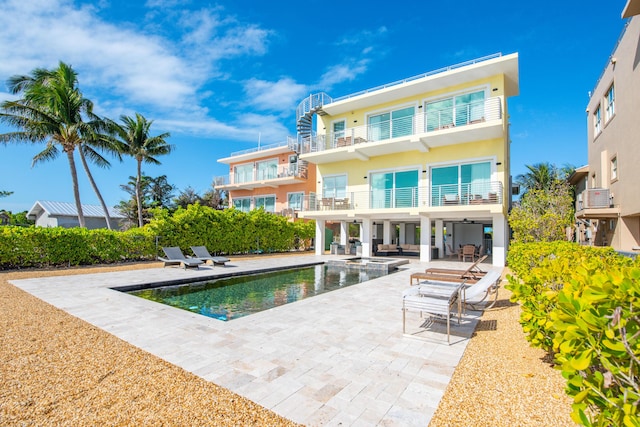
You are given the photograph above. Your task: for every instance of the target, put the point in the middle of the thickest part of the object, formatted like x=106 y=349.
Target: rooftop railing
x=263 y=147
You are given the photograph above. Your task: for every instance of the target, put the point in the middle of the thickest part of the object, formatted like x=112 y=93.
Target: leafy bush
x=23 y=247
x=229 y=231
x=582 y=304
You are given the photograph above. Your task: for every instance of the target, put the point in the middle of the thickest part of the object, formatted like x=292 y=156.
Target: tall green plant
x=53 y=111
x=133 y=139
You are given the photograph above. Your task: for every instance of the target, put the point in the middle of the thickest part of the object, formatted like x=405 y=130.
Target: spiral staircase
x=304 y=120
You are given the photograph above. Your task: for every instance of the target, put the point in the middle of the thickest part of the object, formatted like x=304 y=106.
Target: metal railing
x=430 y=121
x=593 y=198
x=410 y=197
x=311 y=103
x=282 y=171
x=261 y=148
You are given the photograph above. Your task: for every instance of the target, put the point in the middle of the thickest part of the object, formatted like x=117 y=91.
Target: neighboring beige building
x=610 y=200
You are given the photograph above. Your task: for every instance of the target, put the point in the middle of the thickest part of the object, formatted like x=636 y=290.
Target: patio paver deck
x=339 y=358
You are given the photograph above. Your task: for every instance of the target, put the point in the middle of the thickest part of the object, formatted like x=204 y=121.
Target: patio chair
x=202 y=253
x=174 y=256
x=468 y=251
x=434 y=298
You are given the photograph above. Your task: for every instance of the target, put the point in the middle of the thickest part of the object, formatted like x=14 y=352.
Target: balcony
x=596 y=203
x=273 y=177
x=441 y=196
x=422 y=131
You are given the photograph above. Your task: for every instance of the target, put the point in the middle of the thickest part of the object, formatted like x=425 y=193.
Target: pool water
x=230 y=298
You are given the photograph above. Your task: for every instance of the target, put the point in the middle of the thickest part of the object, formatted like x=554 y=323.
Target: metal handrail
x=426 y=122
x=282 y=171
x=260 y=148
x=411 y=197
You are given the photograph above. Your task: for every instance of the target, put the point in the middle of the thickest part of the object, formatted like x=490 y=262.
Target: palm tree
x=53 y=111
x=540 y=176
x=134 y=140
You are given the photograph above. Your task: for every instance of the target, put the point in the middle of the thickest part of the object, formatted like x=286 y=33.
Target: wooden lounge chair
x=174 y=256
x=472 y=274
x=202 y=253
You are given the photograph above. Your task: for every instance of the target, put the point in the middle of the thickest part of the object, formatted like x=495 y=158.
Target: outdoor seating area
x=438 y=290
x=174 y=256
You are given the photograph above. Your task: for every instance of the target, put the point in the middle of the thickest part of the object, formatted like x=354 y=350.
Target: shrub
x=582 y=304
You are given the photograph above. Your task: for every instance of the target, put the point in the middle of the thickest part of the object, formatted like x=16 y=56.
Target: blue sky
x=221 y=76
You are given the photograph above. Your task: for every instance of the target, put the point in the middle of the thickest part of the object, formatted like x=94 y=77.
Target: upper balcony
x=435 y=128
x=293 y=173
x=596 y=203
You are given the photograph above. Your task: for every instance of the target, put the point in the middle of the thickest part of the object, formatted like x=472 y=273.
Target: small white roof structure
x=69 y=209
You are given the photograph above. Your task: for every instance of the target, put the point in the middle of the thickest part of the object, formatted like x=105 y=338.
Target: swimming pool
x=229 y=298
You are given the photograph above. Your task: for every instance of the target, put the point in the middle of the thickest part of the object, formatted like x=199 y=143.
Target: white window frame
x=251 y=178
x=389 y=110
x=299 y=194
x=613 y=167
x=610 y=99
x=597 y=121
x=264 y=196
x=239 y=199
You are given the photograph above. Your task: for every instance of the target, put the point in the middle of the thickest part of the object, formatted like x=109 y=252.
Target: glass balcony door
x=267 y=169
x=394 y=189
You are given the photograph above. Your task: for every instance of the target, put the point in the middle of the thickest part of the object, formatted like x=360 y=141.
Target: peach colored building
x=272 y=177
x=608 y=197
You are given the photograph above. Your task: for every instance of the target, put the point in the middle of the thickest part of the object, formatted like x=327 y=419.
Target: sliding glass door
x=394 y=189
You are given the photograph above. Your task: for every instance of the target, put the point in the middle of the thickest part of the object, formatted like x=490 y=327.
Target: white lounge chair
x=174 y=256
x=202 y=253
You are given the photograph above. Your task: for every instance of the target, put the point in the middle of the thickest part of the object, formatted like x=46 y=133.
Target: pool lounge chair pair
x=174 y=256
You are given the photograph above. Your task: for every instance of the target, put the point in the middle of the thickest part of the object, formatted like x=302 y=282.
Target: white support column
x=386 y=232
x=403 y=231
x=366 y=237
x=425 y=239
x=344 y=232
x=499 y=252
x=440 y=237
x=360 y=231
x=319 y=243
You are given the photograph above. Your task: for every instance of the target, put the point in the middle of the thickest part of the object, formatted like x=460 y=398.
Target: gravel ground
x=58 y=370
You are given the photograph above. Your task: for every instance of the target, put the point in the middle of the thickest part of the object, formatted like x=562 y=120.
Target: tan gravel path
x=58 y=370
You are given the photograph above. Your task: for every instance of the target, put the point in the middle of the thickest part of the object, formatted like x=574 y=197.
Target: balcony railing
x=298 y=170
x=593 y=198
x=430 y=121
x=263 y=147
x=411 y=197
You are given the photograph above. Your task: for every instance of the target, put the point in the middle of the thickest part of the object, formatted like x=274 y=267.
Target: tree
x=543 y=176
x=215 y=198
x=134 y=140
x=161 y=192
x=187 y=197
x=542 y=215
x=5 y=193
x=54 y=111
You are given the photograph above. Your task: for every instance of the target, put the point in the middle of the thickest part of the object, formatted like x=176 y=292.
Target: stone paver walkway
x=339 y=358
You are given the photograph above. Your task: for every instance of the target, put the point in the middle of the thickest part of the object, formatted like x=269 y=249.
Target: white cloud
x=282 y=95
x=341 y=73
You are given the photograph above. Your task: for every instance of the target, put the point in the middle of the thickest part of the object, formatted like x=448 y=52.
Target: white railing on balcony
x=411 y=197
x=479 y=193
x=298 y=170
x=593 y=198
x=430 y=121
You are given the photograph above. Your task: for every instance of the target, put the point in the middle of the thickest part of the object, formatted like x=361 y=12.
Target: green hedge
x=25 y=247
x=582 y=304
x=227 y=232
x=230 y=231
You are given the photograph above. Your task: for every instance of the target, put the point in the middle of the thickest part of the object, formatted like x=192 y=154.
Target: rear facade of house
x=423 y=161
